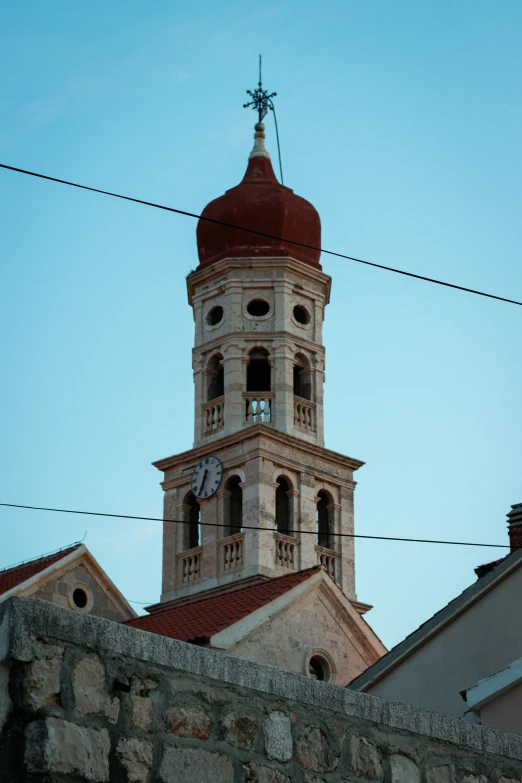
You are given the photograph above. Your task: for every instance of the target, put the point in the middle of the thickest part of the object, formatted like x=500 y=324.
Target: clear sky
x=401 y=122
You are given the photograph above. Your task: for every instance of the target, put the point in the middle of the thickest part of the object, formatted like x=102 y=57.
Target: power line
x=262 y=234
x=253 y=527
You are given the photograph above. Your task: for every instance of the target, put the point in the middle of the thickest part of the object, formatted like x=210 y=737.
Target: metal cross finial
x=261 y=99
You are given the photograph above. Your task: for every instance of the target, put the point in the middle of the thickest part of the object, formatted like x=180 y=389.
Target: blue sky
x=401 y=122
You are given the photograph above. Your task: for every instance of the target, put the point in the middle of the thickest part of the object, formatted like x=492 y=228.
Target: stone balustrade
x=214 y=415
x=258 y=407
x=330 y=561
x=286 y=551
x=304 y=415
x=189 y=565
x=231 y=555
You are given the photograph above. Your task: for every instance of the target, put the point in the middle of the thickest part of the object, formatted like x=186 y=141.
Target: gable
x=316 y=620
x=61 y=591
x=69 y=571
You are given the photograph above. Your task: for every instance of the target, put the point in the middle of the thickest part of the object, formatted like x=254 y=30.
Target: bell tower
x=259 y=494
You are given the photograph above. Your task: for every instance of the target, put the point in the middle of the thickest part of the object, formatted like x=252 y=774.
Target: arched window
x=234 y=506
x=302 y=378
x=282 y=505
x=191 y=518
x=258 y=371
x=215 y=378
x=324 y=520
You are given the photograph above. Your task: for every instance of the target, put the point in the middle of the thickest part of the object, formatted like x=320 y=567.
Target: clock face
x=206 y=477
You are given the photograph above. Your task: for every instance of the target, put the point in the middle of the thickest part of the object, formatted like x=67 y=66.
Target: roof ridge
x=40 y=557
x=204 y=597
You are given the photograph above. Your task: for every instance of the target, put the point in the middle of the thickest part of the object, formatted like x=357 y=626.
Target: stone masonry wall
x=86 y=699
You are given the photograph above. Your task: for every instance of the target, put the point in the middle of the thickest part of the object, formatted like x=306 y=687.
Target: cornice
x=213 y=272
x=269 y=434
x=234 y=338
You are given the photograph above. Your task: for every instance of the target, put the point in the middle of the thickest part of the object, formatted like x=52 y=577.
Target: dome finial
x=259 y=150
x=262 y=102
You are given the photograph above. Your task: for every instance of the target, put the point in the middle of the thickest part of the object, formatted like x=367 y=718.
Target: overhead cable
x=253 y=527
x=262 y=234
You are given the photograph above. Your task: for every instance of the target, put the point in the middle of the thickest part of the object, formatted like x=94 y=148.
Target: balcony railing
x=304 y=415
x=189 y=565
x=330 y=561
x=286 y=551
x=258 y=407
x=231 y=552
x=213 y=415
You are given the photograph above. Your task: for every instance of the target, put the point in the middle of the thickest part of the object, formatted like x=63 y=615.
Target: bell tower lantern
x=258 y=494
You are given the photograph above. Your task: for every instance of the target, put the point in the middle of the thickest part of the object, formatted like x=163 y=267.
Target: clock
x=206 y=477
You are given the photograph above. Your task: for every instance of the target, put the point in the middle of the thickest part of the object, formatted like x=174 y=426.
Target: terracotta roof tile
x=206 y=616
x=15 y=575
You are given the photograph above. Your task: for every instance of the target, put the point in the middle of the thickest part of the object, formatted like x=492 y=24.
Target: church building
x=254 y=560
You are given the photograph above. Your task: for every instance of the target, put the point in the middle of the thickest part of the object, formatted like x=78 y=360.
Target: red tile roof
x=206 y=616
x=15 y=575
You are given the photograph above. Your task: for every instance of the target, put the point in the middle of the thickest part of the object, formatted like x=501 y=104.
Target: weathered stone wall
x=85 y=699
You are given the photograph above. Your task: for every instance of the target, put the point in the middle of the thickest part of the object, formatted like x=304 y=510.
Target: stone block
x=142 y=712
x=366 y=759
x=192 y=765
x=477 y=779
x=136 y=756
x=259 y=773
x=91 y=696
x=314 y=751
x=41 y=682
x=55 y=745
x=278 y=736
x=45 y=649
x=239 y=730
x=509 y=780
x=404 y=770
x=5 y=701
x=188 y=722
x=443 y=774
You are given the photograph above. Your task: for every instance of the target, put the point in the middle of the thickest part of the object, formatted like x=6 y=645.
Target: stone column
x=283 y=386
x=258 y=513
x=235 y=384
x=170 y=540
x=308 y=520
x=208 y=537
x=318 y=392
x=294 y=524
x=197 y=366
x=347 y=545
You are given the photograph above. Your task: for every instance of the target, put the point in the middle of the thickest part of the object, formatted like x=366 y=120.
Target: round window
x=79 y=598
x=258 y=307
x=215 y=315
x=318 y=668
x=301 y=315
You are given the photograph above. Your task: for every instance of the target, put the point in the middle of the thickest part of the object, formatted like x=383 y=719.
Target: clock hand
x=204 y=479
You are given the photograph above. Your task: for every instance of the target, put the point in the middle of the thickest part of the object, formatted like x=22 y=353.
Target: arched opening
x=234 y=506
x=215 y=377
x=282 y=506
x=191 y=528
x=258 y=371
x=324 y=520
x=318 y=669
x=302 y=378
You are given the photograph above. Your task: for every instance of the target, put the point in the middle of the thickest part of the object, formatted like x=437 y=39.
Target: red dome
x=260 y=203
